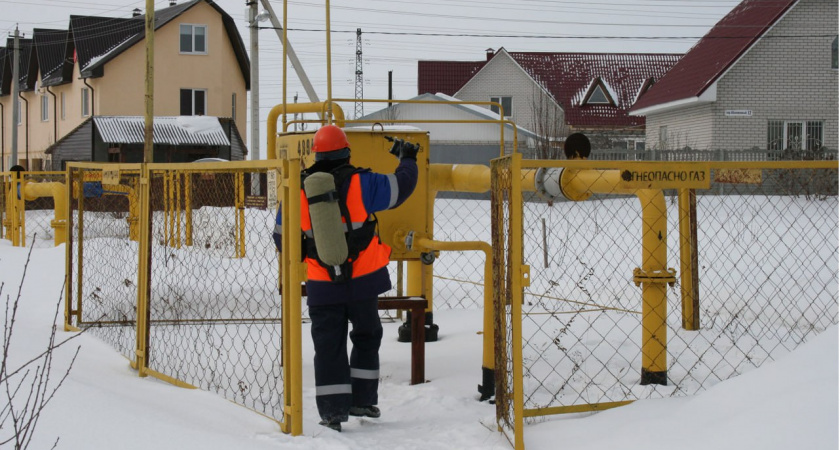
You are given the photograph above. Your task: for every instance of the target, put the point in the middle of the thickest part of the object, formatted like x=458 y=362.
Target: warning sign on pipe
x=676 y=178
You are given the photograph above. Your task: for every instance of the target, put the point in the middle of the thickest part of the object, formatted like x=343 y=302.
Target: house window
x=193 y=102
x=507 y=105
x=794 y=135
x=663 y=137
x=62 y=106
x=85 y=102
x=233 y=106
x=598 y=97
x=194 y=39
x=45 y=108
x=834 y=61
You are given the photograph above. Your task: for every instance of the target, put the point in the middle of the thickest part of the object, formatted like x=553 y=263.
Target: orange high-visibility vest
x=375 y=255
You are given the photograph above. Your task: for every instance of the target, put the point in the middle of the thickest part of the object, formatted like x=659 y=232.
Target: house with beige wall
x=96 y=68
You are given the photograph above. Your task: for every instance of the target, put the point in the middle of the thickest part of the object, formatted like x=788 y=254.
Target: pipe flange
x=668 y=275
x=546 y=188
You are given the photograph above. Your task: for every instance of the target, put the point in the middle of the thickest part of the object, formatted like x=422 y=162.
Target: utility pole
x=149 y=130
x=255 y=80
x=290 y=52
x=15 y=92
x=360 y=81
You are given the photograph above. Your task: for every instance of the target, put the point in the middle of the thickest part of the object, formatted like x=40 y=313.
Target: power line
x=546 y=36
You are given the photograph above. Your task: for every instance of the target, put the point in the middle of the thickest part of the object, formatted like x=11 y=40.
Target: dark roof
x=5 y=71
x=28 y=65
x=51 y=46
x=96 y=37
x=716 y=52
x=445 y=77
x=127 y=32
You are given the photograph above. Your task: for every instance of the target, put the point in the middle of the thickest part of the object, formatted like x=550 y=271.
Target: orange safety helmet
x=329 y=138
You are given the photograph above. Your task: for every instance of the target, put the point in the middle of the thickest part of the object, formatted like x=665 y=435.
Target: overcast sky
x=398 y=33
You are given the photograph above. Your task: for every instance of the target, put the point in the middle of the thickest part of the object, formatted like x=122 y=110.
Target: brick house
x=556 y=94
x=764 y=77
x=95 y=68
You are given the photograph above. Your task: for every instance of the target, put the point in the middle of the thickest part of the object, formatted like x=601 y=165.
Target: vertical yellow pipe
x=654 y=301
x=188 y=206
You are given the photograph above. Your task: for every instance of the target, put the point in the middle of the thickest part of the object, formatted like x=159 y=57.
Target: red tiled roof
x=716 y=52
x=445 y=76
x=568 y=75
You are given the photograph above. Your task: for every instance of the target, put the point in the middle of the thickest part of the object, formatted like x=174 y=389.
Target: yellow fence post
x=240 y=215
x=689 y=284
x=188 y=209
x=144 y=270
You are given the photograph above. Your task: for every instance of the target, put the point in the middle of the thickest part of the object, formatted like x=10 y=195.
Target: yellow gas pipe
x=58 y=192
x=579 y=185
x=297 y=108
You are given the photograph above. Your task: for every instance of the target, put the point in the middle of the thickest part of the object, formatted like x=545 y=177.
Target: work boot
x=331 y=424
x=365 y=411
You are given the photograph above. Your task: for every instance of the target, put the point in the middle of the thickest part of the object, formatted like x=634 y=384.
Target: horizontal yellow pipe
x=469 y=178
x=296 y=108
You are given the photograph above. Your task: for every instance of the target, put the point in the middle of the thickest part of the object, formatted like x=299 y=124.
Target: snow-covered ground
x=789 y=403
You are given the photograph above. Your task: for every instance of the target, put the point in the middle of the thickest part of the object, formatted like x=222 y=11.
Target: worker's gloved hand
x=403 y=149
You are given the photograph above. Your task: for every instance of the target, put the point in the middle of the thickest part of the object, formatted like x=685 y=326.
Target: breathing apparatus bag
x=335 y=245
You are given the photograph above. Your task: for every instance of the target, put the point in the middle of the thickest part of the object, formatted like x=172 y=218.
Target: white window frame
x=193 y=27
x=192 y=101
x=85 y=102
x=804 y=126
x=500 y=99
x=45 y=108
x=591 y=101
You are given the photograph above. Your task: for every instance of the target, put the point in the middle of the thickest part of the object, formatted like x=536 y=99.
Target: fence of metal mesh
x=465 y=217
x=213 y=317
x=215 y=310
x=504 y=297
x=766 y=281
x=103 y=249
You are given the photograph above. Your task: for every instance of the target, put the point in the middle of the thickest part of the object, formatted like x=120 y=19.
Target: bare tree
x=548 y=123
x=29 y=387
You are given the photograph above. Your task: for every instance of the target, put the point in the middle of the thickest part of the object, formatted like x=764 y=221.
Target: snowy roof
x=715 y=53
x=173 y=130
x=565 y=75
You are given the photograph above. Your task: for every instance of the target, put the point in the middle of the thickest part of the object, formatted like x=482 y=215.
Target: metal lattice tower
x=360 y=80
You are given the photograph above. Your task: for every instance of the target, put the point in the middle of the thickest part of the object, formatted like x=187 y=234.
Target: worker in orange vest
x=348 y=291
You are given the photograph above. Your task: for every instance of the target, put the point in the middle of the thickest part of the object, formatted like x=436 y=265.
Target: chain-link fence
x=213 y=316
x=465 y=217
x=103 y=268
x=594 y=331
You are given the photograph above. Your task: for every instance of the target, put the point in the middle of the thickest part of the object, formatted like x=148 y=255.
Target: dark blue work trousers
x=340 y=384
